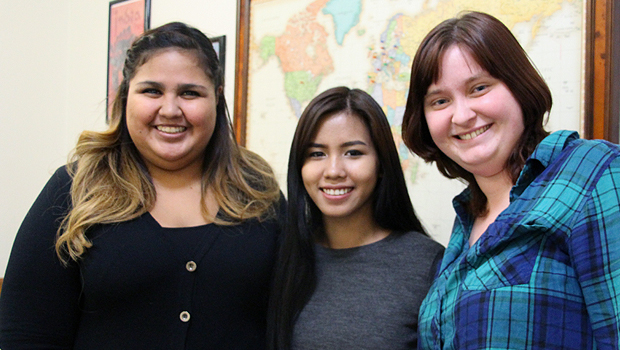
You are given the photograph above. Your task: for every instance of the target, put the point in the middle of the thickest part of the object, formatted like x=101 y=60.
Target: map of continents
x=302 y=47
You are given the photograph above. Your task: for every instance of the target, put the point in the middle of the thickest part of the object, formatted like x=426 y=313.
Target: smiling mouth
x=171 y=129
x=471 y=135
x=336 y=192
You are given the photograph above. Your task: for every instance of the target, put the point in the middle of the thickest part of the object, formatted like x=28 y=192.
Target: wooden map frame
x=602 y=61
x=601 y=97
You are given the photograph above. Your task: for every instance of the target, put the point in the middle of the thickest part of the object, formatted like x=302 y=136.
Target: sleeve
x=595 y=255
x=39 y=304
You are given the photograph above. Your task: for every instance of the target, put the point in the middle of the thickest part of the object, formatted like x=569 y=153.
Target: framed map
x=288 y=51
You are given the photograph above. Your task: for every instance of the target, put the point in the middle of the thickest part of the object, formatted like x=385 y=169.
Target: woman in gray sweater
x=355 y=262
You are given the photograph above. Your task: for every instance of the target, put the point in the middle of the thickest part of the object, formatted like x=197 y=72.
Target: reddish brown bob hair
x=497 y=51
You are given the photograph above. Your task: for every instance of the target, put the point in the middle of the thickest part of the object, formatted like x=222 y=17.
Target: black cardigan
x=140 y=286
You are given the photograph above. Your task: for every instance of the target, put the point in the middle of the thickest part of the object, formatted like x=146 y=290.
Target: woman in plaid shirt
x=534 y=257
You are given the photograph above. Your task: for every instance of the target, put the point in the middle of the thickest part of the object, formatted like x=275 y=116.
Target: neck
x=342 y=233
x=497 y=191
x=180 y=199
x=180 y=178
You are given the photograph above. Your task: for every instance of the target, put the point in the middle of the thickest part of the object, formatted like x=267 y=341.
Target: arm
x=595 y=254
x=39 y=306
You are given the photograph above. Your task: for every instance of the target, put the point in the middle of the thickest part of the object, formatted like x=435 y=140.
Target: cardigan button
x=184 y=316
x=190 y=266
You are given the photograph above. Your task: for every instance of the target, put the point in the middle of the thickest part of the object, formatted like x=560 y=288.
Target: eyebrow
x=482 y=74
x=346 y=144
x=432 y=92
x=148 y=82
x=188 y=86
x=191 y=86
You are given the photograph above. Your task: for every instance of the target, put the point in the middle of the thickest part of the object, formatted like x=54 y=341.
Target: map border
x=602 y=70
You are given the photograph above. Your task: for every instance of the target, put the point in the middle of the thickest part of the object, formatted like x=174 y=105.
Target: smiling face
x=171 y=110
x=472 y=117
x=341 y=166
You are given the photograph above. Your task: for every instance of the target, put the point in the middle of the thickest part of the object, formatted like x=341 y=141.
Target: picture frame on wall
x=127 y=20
x=219 y=44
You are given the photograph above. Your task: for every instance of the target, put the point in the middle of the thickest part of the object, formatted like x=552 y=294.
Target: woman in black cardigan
x=161 y=232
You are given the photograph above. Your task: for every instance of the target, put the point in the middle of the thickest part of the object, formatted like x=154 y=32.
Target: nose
x=335 y=168
x=170 y=107
x=462 y=114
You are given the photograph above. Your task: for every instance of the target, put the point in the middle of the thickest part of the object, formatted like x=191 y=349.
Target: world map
x=299 y=48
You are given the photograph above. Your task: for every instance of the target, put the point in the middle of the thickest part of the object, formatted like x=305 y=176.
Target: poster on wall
x=294 y=49
x=219 y=44
x=127 y=20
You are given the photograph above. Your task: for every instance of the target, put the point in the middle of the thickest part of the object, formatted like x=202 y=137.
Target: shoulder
x=44 y=216
x=58 y=187
x=595 y=150
x=586 y=161
x=62 y=175
x=418 y=255
x=418 y=245
x=577 y=180
x=421 y=240
x=567 y=148
x=567 y=158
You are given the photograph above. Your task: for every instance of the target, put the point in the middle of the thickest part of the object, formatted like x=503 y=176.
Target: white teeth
x=336 y=192
x=474 y=134
x=171 y=129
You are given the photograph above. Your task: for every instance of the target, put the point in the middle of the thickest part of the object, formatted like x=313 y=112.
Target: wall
x=53 y=86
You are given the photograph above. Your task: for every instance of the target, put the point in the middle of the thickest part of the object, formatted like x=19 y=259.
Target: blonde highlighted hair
x=111 y=183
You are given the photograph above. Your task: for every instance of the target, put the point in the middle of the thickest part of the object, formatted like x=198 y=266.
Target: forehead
x=457 y=59
x=173 y=65
x=190 y=55
x=341 y=125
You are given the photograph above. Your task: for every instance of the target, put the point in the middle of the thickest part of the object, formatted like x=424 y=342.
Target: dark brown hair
x=497 y=51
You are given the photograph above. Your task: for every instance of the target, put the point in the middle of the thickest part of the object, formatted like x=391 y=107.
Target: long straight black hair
x=295 y=276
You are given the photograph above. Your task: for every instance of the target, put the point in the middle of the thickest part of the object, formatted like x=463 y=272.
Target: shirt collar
x=551 y=146
x=544 y=154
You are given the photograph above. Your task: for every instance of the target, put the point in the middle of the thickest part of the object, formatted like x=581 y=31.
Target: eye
x=354 y=153
x=151 y=91
x=480 y=88
x=190 y=93
x=438 y=103
x=316 y=154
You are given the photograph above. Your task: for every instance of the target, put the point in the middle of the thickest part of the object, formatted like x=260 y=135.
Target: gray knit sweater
x=368 y=297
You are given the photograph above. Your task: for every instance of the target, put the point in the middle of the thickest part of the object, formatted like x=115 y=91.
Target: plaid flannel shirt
x=546 y=273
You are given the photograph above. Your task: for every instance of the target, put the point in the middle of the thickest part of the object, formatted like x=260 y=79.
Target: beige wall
x=53 y=85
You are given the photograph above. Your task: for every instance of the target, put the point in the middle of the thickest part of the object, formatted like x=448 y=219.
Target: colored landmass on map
x=346 y=15
x=305 y=59
x=303 y=55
